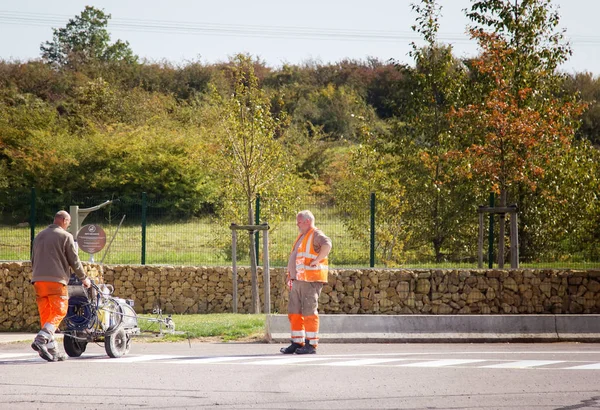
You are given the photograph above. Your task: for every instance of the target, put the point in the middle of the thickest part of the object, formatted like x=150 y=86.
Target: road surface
x=341 y=376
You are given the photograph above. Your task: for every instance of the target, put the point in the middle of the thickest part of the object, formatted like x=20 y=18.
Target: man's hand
x=86 y=283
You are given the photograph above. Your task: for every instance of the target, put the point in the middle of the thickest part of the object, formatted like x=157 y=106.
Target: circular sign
x=91 y=238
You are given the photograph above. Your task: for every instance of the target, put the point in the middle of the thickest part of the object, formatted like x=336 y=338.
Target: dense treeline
x=88 y=116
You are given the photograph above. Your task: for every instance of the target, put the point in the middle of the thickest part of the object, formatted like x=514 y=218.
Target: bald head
x=62 y=219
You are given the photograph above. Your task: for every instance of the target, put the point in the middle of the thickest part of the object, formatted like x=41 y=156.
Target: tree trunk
x=437 y=247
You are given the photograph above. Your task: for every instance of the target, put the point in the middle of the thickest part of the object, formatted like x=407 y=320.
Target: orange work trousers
x=52 y=302
x=303 y=313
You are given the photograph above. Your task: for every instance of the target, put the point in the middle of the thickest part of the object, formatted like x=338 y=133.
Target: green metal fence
x=143 y=230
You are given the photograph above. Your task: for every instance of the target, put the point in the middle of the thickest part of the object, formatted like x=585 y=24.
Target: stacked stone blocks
x=188 y=289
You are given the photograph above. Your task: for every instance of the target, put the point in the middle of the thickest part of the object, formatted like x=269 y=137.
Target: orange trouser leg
x=311 y=323
x=302 y=311
x=297 y=327
x=52 y=302
x=295 y=314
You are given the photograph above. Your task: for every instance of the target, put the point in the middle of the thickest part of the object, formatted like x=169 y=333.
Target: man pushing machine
x=53 y=253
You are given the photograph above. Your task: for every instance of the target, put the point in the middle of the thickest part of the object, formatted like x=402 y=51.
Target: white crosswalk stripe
x=402 y=360
x=592 y=366
x=134 y=359
x=208 y=360
x=288 y=360
x=442 y=363
x=522 y=364
x=364 y=362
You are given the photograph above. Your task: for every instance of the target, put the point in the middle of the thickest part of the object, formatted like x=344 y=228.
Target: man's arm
x=323 y=244
x=75 y=263
x=325 y=249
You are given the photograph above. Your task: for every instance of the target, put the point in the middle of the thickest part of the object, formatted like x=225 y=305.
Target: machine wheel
x=115 y=315
x=74 y=347
x=117 y=343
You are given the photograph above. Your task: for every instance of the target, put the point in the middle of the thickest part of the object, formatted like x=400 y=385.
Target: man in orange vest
x=306 y=273
x=53 y=253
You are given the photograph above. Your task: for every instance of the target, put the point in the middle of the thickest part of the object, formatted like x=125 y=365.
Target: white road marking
x=594 y=366
x=363 y=362
x=523 y=364
x=466 y=353
x=442 y=363
x=321 y=360
x=134 y=359
x=213 y=359
x=288 y=360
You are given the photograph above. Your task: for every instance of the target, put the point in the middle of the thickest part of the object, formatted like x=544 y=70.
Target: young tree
x=512 y=141
x=250 y=157
x=251 y=160
x=85 y=40
x=437 y=200
x=528 y=47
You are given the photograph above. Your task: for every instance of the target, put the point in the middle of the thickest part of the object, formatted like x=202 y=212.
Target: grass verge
x=223 y=327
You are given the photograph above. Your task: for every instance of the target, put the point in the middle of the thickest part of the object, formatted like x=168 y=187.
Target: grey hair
x=62 y=214
x=306 y=214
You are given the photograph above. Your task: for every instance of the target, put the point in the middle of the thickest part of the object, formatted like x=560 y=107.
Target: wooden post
x=514 y=241
x=234 y=270
x=514 y=233
x=266 y=272
x=480 y=243
x=255 y=297
x=251 y=230
x=501 y=230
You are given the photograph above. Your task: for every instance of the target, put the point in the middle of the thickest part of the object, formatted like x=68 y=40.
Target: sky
x=276 y=31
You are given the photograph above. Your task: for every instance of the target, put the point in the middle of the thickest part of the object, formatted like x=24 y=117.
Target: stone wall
x=522 y=291
x=187 y=289
x=18 y=309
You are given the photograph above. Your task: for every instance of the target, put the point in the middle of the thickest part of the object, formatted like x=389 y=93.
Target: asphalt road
x=341 y=376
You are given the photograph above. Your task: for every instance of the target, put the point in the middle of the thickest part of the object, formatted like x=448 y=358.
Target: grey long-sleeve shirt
x=53 y=253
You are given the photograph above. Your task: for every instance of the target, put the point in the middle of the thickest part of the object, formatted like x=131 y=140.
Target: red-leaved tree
x=512 y=135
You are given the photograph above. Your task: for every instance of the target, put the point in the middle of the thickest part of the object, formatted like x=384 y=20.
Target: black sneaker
x=40 y=347
x=307 y=349
x=291 y=348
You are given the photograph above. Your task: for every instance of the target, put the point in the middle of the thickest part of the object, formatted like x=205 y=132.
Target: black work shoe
x=40 y=347
x=306 y=349
x=291 y=348
x=58 y=356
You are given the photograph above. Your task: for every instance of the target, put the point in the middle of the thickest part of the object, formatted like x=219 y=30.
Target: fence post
x=31 y=222
x=144 y=208
x=372 y=250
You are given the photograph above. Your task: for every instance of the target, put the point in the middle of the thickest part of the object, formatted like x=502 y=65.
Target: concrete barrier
x=445 y=328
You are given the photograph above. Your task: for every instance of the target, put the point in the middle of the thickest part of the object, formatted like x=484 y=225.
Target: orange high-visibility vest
x=306 y=254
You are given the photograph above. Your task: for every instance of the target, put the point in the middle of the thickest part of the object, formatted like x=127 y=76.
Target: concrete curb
x=445 y=328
